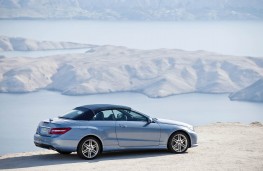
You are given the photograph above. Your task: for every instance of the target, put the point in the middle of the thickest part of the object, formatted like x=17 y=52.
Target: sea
x=21 y=113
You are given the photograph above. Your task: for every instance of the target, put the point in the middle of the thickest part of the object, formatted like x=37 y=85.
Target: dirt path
x=222 y=146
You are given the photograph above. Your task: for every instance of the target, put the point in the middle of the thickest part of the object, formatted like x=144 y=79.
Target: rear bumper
x=55 y=143
x=50 y=147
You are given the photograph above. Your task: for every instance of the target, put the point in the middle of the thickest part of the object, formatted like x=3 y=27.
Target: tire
x=63 y=152
x=89 y=148
x=178 y=142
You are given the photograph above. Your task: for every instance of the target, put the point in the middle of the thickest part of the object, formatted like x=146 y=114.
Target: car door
x=103 y=124
x=133 y=129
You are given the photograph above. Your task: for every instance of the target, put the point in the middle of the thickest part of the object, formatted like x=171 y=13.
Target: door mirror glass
x=150 y=120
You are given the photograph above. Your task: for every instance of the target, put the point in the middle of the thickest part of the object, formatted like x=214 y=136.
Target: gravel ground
x=222 y=146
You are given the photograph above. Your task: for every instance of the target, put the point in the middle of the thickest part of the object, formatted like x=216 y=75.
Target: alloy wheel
x=178 y=143
x=89 y=148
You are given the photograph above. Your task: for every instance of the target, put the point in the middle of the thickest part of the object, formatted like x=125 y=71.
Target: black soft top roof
x=99 y=107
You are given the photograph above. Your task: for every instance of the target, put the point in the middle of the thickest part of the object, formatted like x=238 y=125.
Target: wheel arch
x=93 y=136
x=183 y=131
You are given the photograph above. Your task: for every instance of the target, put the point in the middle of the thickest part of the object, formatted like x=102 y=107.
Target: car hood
x=172 y=122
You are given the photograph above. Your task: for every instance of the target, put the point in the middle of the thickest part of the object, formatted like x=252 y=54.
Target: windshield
x=76 y=114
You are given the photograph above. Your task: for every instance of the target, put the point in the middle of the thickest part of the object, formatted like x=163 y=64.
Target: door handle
x=122 y=126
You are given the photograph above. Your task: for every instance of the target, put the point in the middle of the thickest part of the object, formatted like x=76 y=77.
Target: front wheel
x=89 y=148
x=178 y=142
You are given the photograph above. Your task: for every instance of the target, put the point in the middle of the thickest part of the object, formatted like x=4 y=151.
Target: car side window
x=120 y=115
x=105 y=115
x=134 y=116
x=128 y=115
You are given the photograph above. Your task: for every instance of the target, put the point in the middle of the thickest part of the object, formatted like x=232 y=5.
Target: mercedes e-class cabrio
x=92 y=129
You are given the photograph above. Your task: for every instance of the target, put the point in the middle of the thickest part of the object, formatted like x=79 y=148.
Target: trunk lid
x=45 y=126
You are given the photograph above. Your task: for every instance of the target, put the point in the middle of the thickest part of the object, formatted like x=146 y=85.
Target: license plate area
x=44 y=130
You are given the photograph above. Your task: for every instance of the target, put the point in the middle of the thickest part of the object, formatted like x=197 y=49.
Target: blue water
x=21 y=113
x=243 y=38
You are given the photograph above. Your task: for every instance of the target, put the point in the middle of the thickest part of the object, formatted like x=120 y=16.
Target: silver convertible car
x=93 y=129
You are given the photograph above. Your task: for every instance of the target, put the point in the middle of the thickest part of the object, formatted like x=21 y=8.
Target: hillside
x=162 y=10
x=23 y=44
x=252 y=93
x=155 y=73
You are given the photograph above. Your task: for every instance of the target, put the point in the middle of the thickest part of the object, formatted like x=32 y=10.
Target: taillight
x=59 y=130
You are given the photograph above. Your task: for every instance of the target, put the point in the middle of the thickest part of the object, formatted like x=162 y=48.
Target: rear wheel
x=89 y=148
x=178 y=142
x=63 y=152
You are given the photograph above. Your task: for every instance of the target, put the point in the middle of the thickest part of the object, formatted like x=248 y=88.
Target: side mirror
x=149 y=120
